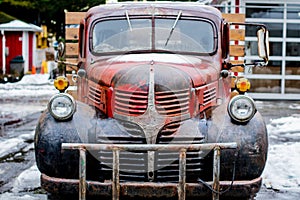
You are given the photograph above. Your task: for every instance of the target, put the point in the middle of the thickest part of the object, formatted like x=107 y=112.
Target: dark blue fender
x=252 y=139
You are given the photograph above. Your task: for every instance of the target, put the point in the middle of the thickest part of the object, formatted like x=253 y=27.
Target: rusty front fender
x=250 y=157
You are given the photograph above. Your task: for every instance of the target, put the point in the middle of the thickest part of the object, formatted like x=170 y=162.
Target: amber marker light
x=242 y=85
x=61 y=83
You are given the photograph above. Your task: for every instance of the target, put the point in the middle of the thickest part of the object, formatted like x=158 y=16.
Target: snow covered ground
x=282 y=172
x=283 y=165
x=21 y=102
x=25 y=97
x=37 y=85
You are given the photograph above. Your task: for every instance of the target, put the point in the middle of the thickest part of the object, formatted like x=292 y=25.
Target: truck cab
x=154 y=114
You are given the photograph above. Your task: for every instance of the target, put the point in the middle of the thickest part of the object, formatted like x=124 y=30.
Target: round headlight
x=241 y=108
x=62 y=106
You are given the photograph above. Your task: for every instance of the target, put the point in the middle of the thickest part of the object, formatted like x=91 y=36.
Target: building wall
x=18 y=43
x=281 y=78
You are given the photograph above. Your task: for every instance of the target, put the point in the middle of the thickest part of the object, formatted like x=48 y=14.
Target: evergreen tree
x=48 y=12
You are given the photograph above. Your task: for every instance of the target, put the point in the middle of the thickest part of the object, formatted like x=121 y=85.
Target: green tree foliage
x=5 y=18
x=48 y=12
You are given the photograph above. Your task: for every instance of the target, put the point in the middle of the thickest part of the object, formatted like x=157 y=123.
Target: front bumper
x=116 y=189
x=239 y=189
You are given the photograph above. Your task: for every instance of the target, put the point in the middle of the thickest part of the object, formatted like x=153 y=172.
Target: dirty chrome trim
x=239 y=189
x=116 y=148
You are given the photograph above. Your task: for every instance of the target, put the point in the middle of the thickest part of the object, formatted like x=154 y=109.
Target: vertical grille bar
x=182 y=175
x=181 y=148
x=216 y=173
x=116 y=173
x=82 y=173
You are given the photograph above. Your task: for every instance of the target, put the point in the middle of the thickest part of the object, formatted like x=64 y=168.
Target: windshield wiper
x=173 y=27
x=128 y=20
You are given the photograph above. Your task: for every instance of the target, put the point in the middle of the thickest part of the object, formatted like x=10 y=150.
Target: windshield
x=178 y=35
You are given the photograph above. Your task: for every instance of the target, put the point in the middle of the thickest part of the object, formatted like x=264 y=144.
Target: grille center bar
x=116 y=148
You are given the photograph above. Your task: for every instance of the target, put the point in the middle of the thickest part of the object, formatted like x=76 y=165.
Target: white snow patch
x=27 y=180
x=27 y=136
x=14 y=145
x=11 y=196
x=9 y=146
x=30 y=85
x=295 y=106
x=20 y=110
x=34 y=79
x=283 y=164
x=286 y=128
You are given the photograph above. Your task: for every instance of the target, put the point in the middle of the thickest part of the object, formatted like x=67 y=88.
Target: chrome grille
x=131 y=103
x=133 y=165
x=94 y=94
x=172 y=103
x=166 y=136
x=168 y=166
x=209 y=95
x=168 y=162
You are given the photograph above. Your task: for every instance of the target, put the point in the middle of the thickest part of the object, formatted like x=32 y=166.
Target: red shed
x=17 y=40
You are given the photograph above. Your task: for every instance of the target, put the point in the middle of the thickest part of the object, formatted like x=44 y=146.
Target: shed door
x=14 y=44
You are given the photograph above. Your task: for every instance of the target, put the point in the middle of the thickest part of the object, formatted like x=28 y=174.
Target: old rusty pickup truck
x=154 y=113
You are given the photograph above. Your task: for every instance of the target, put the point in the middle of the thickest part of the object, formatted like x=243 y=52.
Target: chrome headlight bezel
x=241 y=108
x=65 y=110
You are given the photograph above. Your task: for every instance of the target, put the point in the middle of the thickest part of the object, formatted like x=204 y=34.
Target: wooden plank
x=71 y=49
x=74 y=17
x=233 y=79
x=236 y=17
x=237 y=50
x=235 y=62
x=72 y=60
x=237 y=69
x=237 y=34
x=70 y=68
x=72 y=33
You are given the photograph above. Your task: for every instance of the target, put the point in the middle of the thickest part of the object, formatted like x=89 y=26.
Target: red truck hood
x=199 y=70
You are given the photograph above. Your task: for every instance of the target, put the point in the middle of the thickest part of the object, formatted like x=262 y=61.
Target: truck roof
x=155 y=8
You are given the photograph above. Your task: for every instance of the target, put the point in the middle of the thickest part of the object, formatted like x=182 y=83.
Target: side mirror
x=59 y=58
x=60 y=50
x=263 y=44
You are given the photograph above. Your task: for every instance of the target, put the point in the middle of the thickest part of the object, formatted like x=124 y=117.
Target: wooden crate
x=72 y=22
x=237 y=36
